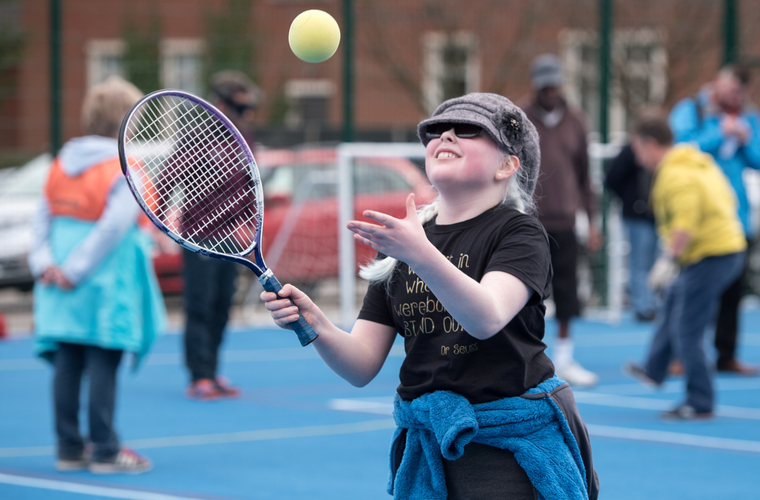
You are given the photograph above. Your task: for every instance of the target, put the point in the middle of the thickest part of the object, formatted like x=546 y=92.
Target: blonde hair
x=105 y=105
x=515 y=196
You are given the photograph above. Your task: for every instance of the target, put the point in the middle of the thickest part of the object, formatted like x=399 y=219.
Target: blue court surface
x=300 y=432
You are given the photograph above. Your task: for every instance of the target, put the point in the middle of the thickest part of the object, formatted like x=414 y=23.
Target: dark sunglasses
x=239 y=108
x=461 y=130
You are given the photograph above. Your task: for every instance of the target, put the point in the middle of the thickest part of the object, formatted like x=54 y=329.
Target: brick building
x=409 y=55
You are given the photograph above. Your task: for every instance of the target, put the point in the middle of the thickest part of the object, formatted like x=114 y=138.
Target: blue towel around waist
x=441 y=423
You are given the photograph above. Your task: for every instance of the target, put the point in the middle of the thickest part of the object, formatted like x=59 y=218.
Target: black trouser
x=564 y=255
x=727 y=324
x=71 y=361
x=209 y=287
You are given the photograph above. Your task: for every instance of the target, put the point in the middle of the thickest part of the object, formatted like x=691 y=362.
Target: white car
x=20 y=193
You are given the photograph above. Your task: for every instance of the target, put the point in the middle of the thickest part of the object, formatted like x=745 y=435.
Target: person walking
x=96 y=294
x=695 y=212
x=632 y=183
x=564 y=187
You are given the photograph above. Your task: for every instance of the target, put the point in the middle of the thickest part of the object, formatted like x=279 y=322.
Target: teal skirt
x=118 y=306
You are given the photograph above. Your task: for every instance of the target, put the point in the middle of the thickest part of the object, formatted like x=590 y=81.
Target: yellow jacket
x=690 y=193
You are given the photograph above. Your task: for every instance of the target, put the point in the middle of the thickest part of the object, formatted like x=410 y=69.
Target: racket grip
x=305 y=332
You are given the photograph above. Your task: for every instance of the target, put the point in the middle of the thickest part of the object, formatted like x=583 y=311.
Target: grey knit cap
x=505 y=123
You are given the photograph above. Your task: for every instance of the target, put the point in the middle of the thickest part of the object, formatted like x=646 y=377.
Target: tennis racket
x=195 y=177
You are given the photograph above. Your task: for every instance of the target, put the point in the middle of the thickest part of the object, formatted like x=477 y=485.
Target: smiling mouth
x=446 y=154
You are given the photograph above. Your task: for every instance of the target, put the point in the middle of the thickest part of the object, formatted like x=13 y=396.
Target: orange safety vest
x=83 y=196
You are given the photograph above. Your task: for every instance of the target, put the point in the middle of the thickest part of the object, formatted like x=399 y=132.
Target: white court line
x=229 y=437
x=674 y=438
x=86 y=489
x=594 y=398
x=383 y=405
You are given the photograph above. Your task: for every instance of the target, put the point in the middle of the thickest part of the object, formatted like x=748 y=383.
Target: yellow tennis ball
x=314 y=36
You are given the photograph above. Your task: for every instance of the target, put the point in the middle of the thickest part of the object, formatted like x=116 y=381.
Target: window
x=308 y=102
x=639 y=75
x=451 y=67
x=104 y=59
x=182 y=64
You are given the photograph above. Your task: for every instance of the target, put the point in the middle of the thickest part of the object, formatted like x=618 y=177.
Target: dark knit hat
x=504 y=122
x=546 y=71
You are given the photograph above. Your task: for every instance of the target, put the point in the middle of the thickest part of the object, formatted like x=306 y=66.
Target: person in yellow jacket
x=695 y=213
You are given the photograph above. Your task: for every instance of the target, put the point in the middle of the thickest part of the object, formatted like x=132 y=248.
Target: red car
x=300 y=238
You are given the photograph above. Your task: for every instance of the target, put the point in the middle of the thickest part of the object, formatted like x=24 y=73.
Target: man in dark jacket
x=632 y=183
x=563 y=188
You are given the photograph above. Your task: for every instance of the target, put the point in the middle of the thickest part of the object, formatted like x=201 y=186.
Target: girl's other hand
x=285 y=307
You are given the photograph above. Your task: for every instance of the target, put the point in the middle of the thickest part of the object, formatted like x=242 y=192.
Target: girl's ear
x=508 y=167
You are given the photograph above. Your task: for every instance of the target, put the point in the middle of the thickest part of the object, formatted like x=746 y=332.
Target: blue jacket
x=695 y=120
x=441 y=423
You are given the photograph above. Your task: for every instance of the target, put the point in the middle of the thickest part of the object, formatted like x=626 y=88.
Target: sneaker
x=224 y=385
x=75 y=464
x=638 y=373
x=645 y=316
x=204 y=389
x=574 y=374
x=126 y=462
x=737 y=367
x=686 y=412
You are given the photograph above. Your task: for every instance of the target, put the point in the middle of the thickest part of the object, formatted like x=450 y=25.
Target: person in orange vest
x=96 y=294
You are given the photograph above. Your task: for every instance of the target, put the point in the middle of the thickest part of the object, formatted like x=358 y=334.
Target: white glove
x=663 y=273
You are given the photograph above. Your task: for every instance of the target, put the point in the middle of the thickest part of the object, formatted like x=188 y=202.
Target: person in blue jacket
x=720 y=121
x=96 y=294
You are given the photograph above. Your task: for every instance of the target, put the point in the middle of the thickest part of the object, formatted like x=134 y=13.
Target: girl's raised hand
x=403 y=239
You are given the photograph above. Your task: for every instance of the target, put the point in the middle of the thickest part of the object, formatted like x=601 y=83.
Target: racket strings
x=216 y=189
x=198 y=181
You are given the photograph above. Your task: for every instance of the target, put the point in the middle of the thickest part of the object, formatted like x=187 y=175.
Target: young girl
x=463 y=281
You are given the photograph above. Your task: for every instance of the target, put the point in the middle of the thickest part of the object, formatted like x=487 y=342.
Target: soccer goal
x=311 y=193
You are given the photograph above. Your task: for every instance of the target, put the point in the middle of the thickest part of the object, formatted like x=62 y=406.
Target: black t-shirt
x=440 y=355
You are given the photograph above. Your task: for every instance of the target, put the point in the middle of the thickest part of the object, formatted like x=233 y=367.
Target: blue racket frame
x=306 y=334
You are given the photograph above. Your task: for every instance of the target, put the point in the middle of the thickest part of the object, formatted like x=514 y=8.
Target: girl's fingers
x=368 y=231
x=287 y=312
x=411 y=207
x=384 y=219
x=366 y=241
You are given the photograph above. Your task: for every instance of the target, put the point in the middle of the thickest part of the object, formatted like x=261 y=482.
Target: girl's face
x=473 y=164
